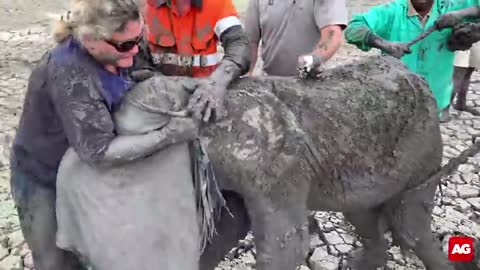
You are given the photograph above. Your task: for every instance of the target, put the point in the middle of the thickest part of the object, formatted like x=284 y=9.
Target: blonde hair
x=96 y=18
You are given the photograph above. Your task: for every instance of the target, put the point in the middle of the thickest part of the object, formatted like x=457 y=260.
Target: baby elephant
x=362 y=140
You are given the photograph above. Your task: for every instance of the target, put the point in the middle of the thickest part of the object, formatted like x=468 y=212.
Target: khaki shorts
x=469 y=58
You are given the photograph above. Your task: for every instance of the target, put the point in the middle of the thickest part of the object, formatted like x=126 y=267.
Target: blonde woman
x=70 y=97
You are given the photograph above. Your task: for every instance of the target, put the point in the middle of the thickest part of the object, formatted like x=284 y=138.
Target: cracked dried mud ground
x=24 y=37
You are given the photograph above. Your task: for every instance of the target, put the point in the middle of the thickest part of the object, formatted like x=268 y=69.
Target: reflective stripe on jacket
x=187 y=45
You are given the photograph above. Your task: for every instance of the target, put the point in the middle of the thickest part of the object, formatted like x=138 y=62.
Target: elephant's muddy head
x=149 y=105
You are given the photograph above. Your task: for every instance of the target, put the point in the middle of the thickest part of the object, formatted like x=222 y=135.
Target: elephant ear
x=160 y=94
x=153 y=93
x=178 y=91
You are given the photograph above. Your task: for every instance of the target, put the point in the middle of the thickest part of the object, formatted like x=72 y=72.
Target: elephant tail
x=452 y=165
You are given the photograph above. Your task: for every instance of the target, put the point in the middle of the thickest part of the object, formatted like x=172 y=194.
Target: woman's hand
x=207 y=101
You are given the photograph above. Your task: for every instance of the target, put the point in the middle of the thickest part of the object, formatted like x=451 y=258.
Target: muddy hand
x=447 y=20
x=309 y=66
x=464 y=35
x=396 y=49
x=207 y=102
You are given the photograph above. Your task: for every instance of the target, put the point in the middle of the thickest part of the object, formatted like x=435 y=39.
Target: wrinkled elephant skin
x=360 y=140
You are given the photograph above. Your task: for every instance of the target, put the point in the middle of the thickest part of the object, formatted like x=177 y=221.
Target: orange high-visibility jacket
x=188 y=41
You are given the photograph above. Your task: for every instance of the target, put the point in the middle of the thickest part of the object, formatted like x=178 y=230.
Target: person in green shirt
x=389 y=26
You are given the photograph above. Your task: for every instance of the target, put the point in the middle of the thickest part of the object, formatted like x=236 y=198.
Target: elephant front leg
x=277 y=205
x=281 y=235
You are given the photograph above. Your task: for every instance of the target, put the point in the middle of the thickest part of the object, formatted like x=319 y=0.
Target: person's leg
x=36 y=210
x=462 y=77
x=458 y=77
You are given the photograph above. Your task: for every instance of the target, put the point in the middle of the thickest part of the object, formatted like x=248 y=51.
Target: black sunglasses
x=125 y=46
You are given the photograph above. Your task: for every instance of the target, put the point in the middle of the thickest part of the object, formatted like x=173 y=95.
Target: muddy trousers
x=36 y=210
x=461 y=81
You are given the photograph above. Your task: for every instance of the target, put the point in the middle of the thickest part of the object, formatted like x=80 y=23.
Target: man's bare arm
x=471 y=12
x=254 y=34
x=254 y=56
x=330 y=41
x=453 y=18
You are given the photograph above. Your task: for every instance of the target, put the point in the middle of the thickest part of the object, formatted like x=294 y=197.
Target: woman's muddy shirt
x=68 y=103
x=289 y=29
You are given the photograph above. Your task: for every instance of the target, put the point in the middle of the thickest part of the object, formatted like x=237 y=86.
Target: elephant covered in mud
x=362 y=140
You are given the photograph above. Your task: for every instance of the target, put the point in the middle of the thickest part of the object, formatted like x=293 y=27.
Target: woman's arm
x=90 y=129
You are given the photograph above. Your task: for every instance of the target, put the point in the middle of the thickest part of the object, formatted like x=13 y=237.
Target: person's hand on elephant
x=183 y=128
x=309 y=66
x=207 y=101
x=395 y=49
x=448 y=20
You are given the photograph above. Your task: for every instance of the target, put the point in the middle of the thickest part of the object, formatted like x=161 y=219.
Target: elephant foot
x=360 y=259
x=369 y=227
x=243 y=247
x=280 y=247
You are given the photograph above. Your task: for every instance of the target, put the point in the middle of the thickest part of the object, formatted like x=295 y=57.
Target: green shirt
x=430 y=57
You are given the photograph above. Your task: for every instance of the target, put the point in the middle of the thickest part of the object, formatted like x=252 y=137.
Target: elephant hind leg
x=409 y=216
x=373 y=252
x=229 y=231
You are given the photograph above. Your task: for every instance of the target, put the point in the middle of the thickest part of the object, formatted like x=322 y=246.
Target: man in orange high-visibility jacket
x=182 y=37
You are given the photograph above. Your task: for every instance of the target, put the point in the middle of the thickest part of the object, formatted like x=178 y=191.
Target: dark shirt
x=68 y=103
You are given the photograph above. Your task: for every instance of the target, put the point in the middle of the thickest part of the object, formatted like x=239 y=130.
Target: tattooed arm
x=331 y=18
x=330 y=41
